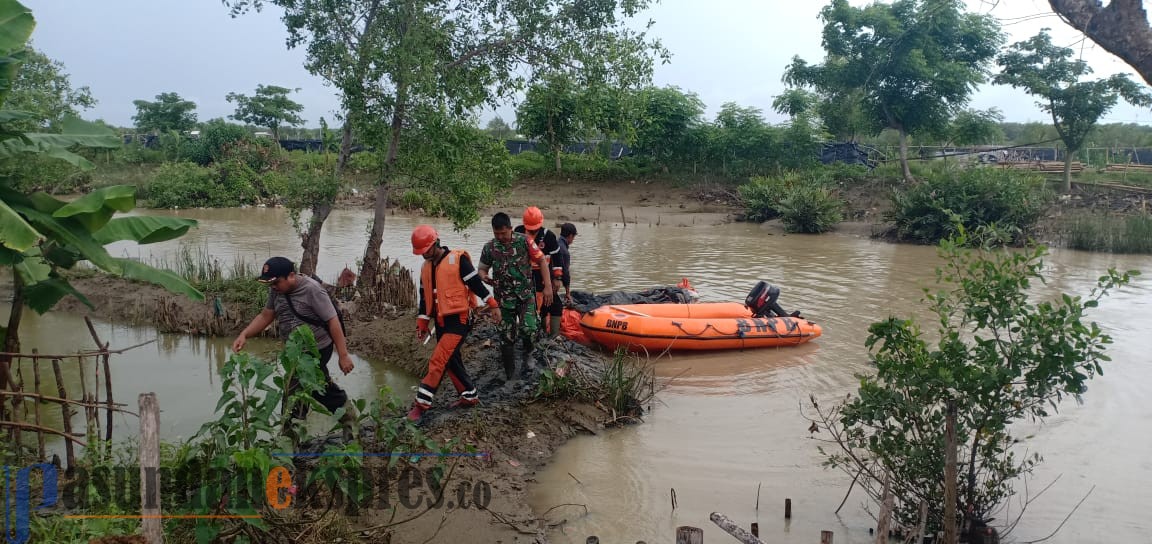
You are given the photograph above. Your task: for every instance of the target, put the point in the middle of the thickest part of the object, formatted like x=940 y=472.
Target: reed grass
x=1109 y=233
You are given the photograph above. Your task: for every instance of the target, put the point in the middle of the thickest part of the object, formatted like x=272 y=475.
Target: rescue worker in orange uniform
x=546 y=240
x=449 y=289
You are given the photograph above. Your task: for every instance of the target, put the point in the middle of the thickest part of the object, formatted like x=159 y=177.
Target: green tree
x=972 y=127
x=914 y=63
x=41 y=237
x=1052 y=74
x=497 y=127
x=269 y=107
x=401 y=64
x=168 y=113
x=664 y=124
x=1000 y=357
x=552 y=111
x=44 y=89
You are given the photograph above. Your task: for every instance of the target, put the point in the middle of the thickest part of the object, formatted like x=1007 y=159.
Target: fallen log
x=731 y=528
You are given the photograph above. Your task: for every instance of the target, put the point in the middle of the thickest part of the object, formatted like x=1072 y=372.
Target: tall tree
x=168 y=112
x=44 y=89
x=1121 y=28
x=1053 y=74
x=914 y=62
x=664 y=122
x=423 y=65
x=551 y=111
x=497 y=127
x=269 y=107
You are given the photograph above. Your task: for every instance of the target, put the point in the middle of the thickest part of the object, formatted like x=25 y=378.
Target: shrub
x=762 y=195
x=186 y=185
x=810 y=209
x=976 y=197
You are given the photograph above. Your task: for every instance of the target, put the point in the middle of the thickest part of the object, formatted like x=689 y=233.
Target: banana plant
x=40 y=235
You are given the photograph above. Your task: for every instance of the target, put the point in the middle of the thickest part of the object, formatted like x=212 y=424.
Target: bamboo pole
x=150 y=523
x=66 y=413
x=48 y=430
x=950 y=528
x=17 y=403
x=36 y=410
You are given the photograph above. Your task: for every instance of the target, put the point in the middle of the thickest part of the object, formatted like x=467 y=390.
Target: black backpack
x=317 y=322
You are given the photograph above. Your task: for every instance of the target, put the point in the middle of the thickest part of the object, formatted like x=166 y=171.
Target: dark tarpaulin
x=585 y=302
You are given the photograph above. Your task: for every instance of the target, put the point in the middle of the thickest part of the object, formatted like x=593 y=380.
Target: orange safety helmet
x=423 y=238
x=533 y=218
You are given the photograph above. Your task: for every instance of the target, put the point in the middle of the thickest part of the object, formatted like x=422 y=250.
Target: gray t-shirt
x=311 y=301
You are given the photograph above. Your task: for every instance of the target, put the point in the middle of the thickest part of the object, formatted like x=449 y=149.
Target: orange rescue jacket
x=446 y=291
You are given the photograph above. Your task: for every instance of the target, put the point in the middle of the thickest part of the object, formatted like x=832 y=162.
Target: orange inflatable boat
x=698 y=326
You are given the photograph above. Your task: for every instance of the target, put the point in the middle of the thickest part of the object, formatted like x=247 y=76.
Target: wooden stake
x=825 y=537
x=689 y=535
x=755 y=529
x=950 y=528
x=36 y=409
x=150 y=469
x=66 y=413
x=885 y=511
x=787 y=508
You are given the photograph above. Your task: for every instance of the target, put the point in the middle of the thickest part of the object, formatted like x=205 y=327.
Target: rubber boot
x=529 y=362
x=508 y=357
x=416 y=414
x=554 y=326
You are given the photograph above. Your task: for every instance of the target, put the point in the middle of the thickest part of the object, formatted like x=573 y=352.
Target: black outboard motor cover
x=761 y=299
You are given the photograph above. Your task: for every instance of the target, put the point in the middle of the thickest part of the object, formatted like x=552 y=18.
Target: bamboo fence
x=21 y=401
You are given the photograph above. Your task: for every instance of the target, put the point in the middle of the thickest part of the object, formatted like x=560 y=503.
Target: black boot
x=529 y=362
x=508 y=357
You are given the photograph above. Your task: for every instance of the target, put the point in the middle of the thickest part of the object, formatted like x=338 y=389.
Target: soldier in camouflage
x=509 y=257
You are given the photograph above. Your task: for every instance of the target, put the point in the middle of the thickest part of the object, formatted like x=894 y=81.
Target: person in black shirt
x=533 y=228
x=564 y=258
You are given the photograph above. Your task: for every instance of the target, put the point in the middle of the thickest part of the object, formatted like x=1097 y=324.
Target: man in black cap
x=295 y=300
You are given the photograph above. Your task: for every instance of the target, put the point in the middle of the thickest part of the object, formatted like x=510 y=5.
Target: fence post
x=689 y=535
x=150 y=522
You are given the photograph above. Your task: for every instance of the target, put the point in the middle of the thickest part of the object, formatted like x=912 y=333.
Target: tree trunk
x=904 y=156
x=345 y=146
x=1068 y=153
x=368 y=269
x=1121 y=29
x=310 y=240
x=12 y=333
x=556 y=152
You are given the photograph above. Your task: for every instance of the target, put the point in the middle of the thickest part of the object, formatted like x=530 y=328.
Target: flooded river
x=727 y=424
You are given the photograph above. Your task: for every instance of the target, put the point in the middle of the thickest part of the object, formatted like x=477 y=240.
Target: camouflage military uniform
x=512 y=271
x=511 y=266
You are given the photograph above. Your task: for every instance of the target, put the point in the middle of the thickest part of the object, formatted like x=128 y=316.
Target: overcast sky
x=723 y=50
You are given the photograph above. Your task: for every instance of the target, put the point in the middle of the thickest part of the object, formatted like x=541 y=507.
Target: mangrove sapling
x=1000 y=357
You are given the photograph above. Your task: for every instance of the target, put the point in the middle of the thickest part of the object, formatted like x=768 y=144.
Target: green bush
x=762 y=195
x=809 y=208
x=186 y=185
x=30 y=173
x=976 y=197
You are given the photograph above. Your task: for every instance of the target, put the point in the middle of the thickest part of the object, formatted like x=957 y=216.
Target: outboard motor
x=762 y=300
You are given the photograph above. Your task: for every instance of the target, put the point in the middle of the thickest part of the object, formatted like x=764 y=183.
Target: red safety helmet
x=423 y=238
x=533 y=218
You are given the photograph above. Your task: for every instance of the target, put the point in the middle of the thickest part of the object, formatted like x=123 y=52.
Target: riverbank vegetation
x=1000 y=358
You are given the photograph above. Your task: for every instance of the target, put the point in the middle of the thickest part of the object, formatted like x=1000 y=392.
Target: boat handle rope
x=707 y=326
x=792 y=326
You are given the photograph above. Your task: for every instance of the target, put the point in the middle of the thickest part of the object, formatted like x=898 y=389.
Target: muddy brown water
x=728 y=423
